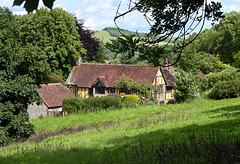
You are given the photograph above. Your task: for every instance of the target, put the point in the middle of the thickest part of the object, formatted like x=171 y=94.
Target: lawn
x=134 y=134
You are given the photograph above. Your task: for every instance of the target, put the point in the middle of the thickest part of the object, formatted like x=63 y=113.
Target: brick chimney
x=167 y=65
x=78 y=61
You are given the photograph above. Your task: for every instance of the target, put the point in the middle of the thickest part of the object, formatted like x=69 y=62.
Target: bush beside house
x=75 y=104
x=131 y=98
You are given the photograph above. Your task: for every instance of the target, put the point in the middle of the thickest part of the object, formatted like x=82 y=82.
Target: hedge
x=72 y=104
x=102 y=102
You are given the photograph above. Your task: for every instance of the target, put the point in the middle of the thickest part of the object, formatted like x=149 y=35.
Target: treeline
x=214 y=49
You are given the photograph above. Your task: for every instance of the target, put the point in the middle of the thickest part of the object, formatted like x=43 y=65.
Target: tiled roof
x=53 y=94
x=87 y=73
x=168 y=76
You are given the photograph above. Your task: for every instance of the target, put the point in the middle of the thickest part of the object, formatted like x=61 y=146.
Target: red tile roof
x=87 y=73
x=53 y=94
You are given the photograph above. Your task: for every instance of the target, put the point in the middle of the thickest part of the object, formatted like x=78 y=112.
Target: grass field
x=103 y=36
x=135 y=135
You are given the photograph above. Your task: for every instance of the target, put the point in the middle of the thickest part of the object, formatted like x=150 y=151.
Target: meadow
x=203 y=131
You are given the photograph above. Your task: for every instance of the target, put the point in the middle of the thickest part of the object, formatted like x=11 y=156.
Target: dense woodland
x=41 y=47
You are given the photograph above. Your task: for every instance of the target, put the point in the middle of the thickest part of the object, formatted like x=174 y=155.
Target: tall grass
x=134 y=134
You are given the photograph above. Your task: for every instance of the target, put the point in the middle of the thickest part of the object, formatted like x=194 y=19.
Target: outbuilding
x=52 y=95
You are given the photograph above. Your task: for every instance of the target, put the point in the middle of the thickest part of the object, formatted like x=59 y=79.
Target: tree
x=194 y=57
x=185 y=87
x=227 y=39
x=170 y=21
x=221 y=41
x=54 y=31
x=22 y=70
x=94 y=47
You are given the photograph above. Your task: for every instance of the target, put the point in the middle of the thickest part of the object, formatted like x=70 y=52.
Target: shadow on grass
x=229 y=108
x=121 y=144
x=229 y=111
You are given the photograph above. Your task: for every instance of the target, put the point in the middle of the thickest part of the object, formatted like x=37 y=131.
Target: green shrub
x=185 y=87
x=72 y=104
x=131 y=98
x=94 y=103
x=13 y=126
x=211 y=79
x=225 y=89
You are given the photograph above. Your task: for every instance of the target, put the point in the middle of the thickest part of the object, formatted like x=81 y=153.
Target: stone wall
x=36 y=111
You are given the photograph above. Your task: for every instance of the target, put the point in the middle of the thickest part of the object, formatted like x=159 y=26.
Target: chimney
x=167 y=65
x=78 y=61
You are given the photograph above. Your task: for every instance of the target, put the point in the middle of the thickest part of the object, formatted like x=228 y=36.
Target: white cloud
x=59 y=5
x=6 y=3
x=97 y=23
x=91 y=9
x=19 y=12
x=77 y=13
x=106 y=6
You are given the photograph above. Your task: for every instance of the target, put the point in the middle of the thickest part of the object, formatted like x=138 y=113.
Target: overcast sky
x=100 y=13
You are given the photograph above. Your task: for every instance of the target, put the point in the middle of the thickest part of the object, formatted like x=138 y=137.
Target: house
x=52 y=95
x=91 y=79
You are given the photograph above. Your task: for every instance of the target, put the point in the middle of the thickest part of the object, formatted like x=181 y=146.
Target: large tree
x=55 y=32
x=22 y=70
x=226 y=40
x=198 y=56
x=220 y=42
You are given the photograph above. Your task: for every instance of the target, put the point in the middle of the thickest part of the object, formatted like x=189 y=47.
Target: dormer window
x=100 y=90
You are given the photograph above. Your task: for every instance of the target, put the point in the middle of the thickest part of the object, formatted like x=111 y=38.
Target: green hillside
x=203 y=131
x=103 y=36
x=111 y=33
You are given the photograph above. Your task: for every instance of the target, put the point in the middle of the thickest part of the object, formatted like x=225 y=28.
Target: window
x=160 y=87
x=169 y=90
x=112 y=90
x=100 y=90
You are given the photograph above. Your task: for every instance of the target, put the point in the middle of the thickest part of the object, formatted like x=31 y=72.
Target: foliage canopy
x=54 y=31
x=22 y=70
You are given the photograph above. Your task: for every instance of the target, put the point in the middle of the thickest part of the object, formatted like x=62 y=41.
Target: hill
x=103 y=36
x=112 y=32
x=204 y=131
